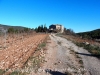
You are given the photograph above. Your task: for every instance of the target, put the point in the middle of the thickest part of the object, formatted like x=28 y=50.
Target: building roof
x=56 y=24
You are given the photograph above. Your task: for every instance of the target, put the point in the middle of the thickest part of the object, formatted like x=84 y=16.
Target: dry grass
x=59 y=42
x=36 y=60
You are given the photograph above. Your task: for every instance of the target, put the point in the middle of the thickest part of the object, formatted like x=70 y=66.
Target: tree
x=69 y=31
x=16 y=31
x=45 y=28
x=36 y=29
x=26 y=29
x=41 y=28
x=11 y=30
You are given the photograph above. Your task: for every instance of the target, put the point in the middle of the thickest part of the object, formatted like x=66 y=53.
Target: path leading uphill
x=61 y=59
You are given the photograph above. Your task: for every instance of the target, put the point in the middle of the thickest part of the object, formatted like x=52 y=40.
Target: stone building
x=56 y=28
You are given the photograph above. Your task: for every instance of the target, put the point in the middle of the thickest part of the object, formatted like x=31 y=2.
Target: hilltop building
x=56 y=28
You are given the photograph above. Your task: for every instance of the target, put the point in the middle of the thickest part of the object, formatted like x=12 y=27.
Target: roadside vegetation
x=17 y=73
x=95 y=34
x=37 y=59
x=93 y=47
x=77 y=60
x=94 y=50
x=2 y=72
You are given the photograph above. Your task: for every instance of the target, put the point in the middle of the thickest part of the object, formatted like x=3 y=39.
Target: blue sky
x=79 y=15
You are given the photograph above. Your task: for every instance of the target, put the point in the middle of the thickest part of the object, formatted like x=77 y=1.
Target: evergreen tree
x=11 y=30
x=45 y=28
x=42 y=29
x=26 y=29
x=39 y=29
x=36 y=29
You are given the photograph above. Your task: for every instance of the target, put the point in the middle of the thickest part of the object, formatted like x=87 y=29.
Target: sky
x=79 y=15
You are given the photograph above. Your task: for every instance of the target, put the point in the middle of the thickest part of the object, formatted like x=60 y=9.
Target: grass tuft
x=42 y=45
x=17 y=73
x=95 y=50
x=59 y=42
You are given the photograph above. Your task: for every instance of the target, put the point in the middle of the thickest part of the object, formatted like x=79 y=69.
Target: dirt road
x=91 y=63
x=62 y=60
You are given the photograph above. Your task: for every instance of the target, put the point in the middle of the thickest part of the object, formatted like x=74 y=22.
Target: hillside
x=95 y=34
x=15 y=27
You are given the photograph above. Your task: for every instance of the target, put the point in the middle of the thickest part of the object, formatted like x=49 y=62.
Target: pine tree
x=45 y=28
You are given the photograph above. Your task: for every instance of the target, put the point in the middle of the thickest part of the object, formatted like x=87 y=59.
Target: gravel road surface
x=60 y=60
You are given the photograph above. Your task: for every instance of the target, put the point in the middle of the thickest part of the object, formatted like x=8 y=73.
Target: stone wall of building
x=57 y=27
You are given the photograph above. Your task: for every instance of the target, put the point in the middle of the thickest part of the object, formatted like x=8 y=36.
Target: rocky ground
x=62 y=57
x=14 y=56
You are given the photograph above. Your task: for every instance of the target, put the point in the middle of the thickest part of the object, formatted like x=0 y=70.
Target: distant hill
x=95 y=34
x=15 y=27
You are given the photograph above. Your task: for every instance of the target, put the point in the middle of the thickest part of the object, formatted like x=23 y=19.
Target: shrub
x=95 y=50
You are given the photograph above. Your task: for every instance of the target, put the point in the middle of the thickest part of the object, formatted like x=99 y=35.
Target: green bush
x=17 y=73
x=95 y=50
x=88 y=47
x=2 y=72
x=43 y=44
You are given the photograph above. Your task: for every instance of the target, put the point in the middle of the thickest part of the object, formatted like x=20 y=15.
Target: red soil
x=19 y=50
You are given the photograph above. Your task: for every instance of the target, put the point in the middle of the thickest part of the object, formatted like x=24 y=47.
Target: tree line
x=69 y=32
x=41 y=28
x=13 y=30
